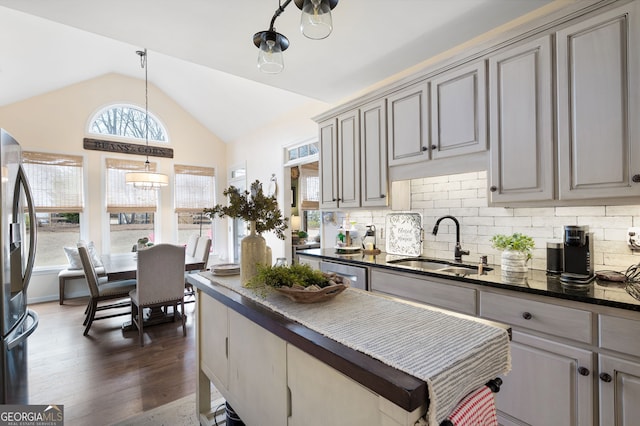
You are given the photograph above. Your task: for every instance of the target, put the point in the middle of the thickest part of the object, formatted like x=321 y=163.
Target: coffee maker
x=578 y=255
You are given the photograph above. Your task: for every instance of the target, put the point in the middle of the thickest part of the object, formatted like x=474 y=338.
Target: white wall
x=57 y=122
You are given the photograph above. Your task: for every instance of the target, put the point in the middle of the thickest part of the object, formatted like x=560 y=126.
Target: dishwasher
x=357 y=275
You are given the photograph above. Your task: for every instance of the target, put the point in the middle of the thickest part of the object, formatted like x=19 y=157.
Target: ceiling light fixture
x=315 y=23
x=146 y=179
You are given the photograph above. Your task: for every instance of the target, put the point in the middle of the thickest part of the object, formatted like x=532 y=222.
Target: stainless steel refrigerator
x=18 y=235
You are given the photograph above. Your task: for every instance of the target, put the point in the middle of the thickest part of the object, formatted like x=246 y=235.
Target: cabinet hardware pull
x=493 y=188
x=334 y=199
x=424 y=148
x=434 y=147
x=527 y=315
x=583 y=371
x=636 y=178
x=605 y=377
x=382 y=196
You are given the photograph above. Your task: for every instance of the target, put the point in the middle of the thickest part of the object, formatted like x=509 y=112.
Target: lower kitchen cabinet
x=550 y=384
x=433 y=292
x=313 y=262
x=619 y=387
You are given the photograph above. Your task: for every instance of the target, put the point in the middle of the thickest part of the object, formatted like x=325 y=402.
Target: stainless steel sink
x=439 y=265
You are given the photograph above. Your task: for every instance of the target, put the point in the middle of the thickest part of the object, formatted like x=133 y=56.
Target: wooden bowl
x=312 y=296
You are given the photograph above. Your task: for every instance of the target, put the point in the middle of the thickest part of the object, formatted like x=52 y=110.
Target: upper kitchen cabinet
x=598 y=73
x=328 y=144
x=408 y=125
x=521 y=123
x=458 y=111
x=340 y=161
x=373 y=154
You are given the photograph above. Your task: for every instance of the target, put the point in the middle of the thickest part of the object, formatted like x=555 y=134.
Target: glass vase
x=253 y=252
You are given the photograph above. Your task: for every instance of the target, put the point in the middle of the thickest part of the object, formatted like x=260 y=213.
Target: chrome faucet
x=458 y=252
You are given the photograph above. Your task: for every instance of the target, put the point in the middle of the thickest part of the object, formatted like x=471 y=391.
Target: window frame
x=152 y=118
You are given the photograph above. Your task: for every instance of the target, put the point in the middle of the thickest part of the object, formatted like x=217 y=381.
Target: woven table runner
x=453 y=355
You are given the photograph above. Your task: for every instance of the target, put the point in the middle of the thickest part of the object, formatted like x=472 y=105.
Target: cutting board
x=404 y=232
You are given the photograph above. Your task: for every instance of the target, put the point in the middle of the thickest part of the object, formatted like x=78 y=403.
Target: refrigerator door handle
x=23 y=183
x=28 y=332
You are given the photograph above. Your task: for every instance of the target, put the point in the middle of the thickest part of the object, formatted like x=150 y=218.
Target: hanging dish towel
x=476 y=409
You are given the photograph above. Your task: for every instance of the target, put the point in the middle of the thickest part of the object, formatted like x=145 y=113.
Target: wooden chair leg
x=184 y=318
x=141 y=324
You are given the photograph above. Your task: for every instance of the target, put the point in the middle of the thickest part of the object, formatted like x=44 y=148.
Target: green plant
x=516 y=241
x=286 y=276
x=251 y=206
x=302 y=234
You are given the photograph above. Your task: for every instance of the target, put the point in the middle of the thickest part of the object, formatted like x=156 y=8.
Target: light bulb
x=315 y=21
x=270 y=58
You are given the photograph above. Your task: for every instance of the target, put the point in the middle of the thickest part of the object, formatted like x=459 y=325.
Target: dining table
x=125 y=267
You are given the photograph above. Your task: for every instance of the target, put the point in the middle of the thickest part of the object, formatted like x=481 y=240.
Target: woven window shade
x=123 y=198
x=195 y=188
x=309 y=183
x=55 y=181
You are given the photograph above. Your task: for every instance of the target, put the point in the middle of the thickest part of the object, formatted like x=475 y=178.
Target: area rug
x=181 y=412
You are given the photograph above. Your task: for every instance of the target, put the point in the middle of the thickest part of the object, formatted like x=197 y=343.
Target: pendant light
x=315 y=23
x=146 y=179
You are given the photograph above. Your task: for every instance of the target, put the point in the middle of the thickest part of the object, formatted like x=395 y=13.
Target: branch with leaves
x=253 y=206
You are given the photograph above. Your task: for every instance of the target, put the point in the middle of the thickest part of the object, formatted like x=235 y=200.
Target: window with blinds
x=309 y=182
x=58 y=196
x=194 y=191
x=131 y=210
x=123 y=198
x=55 y=181
x=194 y=188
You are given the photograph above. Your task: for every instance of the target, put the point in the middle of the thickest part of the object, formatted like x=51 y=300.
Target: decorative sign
x=127 y=148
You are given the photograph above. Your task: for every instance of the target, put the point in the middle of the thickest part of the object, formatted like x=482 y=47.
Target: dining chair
x=192 y=243
x=201 y=252
x=160 y=283
x=101 y=290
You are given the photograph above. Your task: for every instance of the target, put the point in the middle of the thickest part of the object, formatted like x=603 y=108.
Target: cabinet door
x=328 y=164
x=313 y=262
x=521 y=125
x=373 y=154
x=257 y=373
x=598 y=79
x=314 y=386
x=349 y=159
x=619 y=391
x=458 y=111
x=213 y=340
x=408 y=125
x=545 y=385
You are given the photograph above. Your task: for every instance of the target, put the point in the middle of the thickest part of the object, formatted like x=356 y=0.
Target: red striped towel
x=476 y=409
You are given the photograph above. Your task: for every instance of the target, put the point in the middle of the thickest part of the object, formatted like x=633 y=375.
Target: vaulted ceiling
x=201 y=51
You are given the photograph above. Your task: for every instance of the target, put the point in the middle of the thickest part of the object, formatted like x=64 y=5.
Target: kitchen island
x=278 y=362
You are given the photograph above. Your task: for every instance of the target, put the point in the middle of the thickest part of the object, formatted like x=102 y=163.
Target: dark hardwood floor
x=107 y=377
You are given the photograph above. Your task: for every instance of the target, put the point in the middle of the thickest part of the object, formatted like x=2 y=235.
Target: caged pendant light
x=315 y=23
x=146 y=179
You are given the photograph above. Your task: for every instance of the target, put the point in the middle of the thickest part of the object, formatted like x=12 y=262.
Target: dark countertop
x=598 y=292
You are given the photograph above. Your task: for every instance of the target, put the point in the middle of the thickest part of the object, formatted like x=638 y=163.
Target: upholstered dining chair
x=160 y=283
x=192 y=243
x=102 y=290
x=201 y=252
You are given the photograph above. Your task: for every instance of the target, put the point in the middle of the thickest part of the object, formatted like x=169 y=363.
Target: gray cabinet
x=598 y=75
x=521 y=123
x=373 y=154
x=458 y=111
x=550 y=384
x=340 y=161
x=619 y=386
x=328 y=145
x=408 y=125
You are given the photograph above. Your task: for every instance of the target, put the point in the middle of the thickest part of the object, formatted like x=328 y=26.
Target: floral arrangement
x=252 y=206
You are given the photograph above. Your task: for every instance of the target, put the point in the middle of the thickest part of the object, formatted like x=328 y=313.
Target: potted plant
x=516 y=251
x=263 y=215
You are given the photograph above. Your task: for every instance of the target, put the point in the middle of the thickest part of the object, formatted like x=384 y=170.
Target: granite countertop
x=598 y=292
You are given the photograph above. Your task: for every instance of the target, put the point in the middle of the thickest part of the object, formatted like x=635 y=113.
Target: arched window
x=127 y=121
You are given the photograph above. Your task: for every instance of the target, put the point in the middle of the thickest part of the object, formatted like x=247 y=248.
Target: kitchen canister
x=555 y=251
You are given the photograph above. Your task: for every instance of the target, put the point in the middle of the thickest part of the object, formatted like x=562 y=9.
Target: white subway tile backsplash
x=465 y=197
